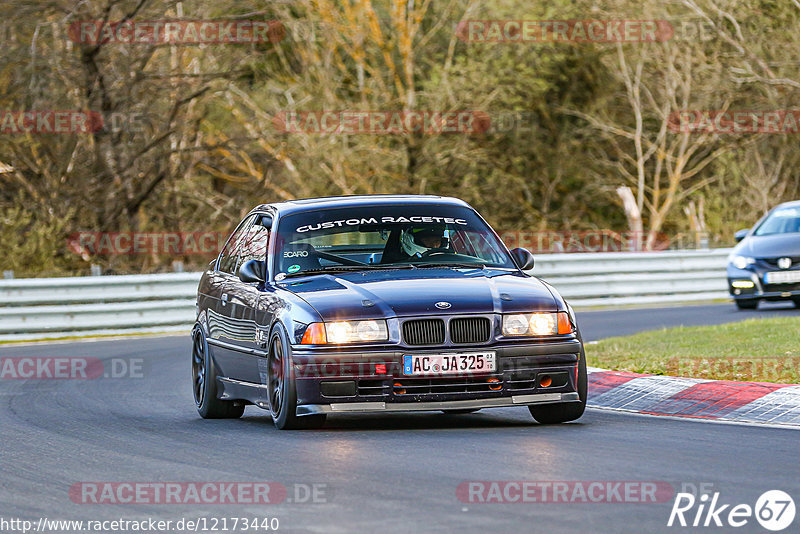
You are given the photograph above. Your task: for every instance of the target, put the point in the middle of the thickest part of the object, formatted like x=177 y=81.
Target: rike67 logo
x=774 y=510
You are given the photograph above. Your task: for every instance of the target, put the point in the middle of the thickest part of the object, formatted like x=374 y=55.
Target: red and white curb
x=721 y=400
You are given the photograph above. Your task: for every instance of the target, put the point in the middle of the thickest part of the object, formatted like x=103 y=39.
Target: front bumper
x=335 y=381
x=759 y=288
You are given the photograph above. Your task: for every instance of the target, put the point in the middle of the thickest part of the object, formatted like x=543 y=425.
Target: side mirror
x=252 y=271
x=523 y=258
x=265 y=221
x=741 y=234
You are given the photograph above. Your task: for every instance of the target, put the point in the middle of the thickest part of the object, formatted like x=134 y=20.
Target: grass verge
x=758 y=350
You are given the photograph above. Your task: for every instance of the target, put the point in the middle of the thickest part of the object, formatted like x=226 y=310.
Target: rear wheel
x=282 y=389
x=548 y=414
x=204 y=382
x=748 y=304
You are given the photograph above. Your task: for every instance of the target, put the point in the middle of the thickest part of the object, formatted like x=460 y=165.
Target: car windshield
x=781 y=221
x=386 y=236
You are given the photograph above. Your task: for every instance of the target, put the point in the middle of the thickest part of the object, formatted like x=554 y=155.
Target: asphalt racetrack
x=393 y=473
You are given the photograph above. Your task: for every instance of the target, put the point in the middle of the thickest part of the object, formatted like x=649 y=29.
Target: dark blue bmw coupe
x=375 y=304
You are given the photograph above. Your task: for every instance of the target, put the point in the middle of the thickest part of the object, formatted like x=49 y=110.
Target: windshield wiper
x=352 y=268
x=459 y=265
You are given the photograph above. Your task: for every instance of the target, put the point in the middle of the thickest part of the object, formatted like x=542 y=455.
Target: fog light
x=545 y=381
x=743 y=284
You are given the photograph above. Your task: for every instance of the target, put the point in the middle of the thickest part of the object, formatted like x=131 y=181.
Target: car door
x=248 y=303
x=224 y=326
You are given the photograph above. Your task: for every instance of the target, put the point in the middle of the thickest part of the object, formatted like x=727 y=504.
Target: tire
x=462 y=411
x=749 y=304
x=204 y=383
x=796 y=303
x=549 y=414
x=281 y=386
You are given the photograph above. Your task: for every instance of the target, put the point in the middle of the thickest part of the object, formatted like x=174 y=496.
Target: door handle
x=224 y=299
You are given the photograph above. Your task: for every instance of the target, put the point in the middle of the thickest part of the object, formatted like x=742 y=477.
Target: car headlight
x=741 y=262
x=536 y=324
x=345 y=332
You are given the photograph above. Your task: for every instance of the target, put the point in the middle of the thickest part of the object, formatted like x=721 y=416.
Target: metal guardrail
x=636 y=278
x=40 y=308
x=94 y=305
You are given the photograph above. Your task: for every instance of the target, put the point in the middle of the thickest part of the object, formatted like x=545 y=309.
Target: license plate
x=782 y=277
x=449 y=364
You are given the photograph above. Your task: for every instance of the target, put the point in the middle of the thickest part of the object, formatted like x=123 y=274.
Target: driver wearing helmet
x=418 y=240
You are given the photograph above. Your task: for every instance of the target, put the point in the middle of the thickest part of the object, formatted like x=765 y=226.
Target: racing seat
x=301 y=254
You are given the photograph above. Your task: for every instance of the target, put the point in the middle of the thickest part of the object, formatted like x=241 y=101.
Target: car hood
x=769 y=246
x=399 y=293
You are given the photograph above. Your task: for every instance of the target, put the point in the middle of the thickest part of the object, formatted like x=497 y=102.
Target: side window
x=254 y=244
x=230 y=254
x=475 y=244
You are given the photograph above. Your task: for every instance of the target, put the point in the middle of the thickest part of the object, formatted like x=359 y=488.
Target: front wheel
x=548 y=414
x=204 y=384
x=748 y=304
x=281 y=387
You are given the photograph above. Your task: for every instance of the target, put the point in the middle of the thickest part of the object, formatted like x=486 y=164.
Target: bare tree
x=663 y=164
